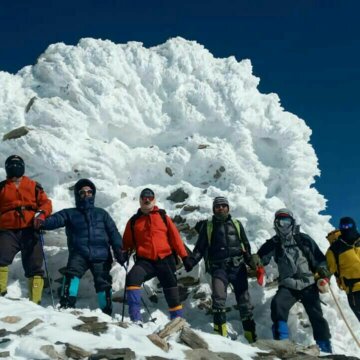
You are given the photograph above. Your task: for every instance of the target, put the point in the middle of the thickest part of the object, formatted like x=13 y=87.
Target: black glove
x=189 y=263
x=121 y=256
x=254 y=261
x=323 y=272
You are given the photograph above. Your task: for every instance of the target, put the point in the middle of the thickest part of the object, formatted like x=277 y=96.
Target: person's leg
x=142 y=270
x=32 y=259
x=311 y=301
x=103 y=284
x=354 y=302
x=165 y=272
x=75 y=269
x=10 y=246
x=219 y=282
x=281 y=304
x=238 y=278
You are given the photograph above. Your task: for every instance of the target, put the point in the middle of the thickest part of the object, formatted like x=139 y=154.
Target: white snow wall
x=121 y=113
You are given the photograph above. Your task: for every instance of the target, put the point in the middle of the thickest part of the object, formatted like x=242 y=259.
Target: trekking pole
x=126 y=273
x=147 y=309
x=42 y=242
x=342 y=315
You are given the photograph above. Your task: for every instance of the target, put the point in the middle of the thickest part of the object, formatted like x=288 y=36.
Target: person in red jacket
x=23 y=203
x=155 y=238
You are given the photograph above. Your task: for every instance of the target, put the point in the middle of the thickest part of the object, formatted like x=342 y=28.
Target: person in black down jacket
x=90 y=233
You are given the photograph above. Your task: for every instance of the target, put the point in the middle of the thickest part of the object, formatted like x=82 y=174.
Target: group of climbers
x=93 y=241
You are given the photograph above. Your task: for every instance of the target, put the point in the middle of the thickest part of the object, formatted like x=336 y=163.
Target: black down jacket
x=90 y=230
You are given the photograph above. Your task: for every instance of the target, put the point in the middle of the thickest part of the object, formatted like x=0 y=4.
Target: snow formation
x=122 y=115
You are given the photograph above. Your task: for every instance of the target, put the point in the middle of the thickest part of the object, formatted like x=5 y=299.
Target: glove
x=323 y=272
x=260 y=275
x=121 y=256
x=323 y=285
x=39 y=220
x=254 y=261
x=188 y=262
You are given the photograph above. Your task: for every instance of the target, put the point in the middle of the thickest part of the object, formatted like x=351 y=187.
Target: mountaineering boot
x=324 y=345
x=220 y=321
x=133 y=296
x=69 y=291
x=36 y=285
x=4 y=273
x=173 y=300
x=105 y=301
x=280 y=330
x=249 y=330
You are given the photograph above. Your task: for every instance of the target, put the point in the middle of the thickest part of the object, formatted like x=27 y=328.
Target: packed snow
x=166 y=117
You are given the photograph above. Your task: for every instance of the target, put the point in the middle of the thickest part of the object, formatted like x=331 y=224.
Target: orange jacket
x=153 y=239
x=18 y=205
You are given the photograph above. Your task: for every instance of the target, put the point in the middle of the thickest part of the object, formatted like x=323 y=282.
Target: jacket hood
x=84 y=203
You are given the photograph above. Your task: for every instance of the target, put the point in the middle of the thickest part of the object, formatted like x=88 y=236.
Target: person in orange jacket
x=155 y=239
x=23 y=203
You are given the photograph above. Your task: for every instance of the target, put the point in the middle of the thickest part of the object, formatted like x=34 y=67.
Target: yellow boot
x=36 y=285
x=4 y=272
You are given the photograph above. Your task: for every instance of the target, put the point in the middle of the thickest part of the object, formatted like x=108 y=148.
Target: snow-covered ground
x=168 y=117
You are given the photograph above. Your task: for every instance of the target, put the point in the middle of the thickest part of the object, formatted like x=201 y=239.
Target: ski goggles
x=346 y=226
x=147 y=198
x=86 y=192
x=284 y=222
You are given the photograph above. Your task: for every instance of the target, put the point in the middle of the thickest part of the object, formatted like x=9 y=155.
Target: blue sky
x=308 y=52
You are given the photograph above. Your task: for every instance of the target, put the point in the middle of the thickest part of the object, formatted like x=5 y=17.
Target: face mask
x=16 y=170
x=284 y=227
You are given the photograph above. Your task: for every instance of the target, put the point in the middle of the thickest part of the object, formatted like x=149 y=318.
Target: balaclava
x=218 y=201
x=284 y=223
x=86 y=202
x=14 y=166
x=348 y=229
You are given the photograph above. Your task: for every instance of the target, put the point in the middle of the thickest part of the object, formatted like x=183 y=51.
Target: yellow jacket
x=343 y=260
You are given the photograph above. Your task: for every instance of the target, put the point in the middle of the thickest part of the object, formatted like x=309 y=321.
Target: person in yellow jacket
x=343 y=260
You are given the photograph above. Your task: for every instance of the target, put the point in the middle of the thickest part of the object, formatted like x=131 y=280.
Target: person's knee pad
x=4 y=274
x=105 y=301
x=36 y=285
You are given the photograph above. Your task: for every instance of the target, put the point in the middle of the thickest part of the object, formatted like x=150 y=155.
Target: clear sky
x=308 y=52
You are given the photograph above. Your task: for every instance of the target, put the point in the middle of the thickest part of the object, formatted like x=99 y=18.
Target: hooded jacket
x=90 y=230
x=18 y=205
x=153 y=239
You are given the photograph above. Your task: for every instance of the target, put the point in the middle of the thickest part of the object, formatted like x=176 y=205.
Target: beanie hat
x=284 y=213
x=347 y=222
x=220 y=200
x=147 y=192
x=14 y=166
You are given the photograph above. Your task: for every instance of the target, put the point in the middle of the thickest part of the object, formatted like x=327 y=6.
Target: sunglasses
x=145 y=198
x=284 y=222
x=218 y=206
x=85 y=192
x=346 y=226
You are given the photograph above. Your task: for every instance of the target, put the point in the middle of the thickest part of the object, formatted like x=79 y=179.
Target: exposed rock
x=88 y=319
x=95 y=328
x=203 y=146
x=200 y=295
x=26 y=329
x=179 y=206
x=11 y=319
x=221 y=169
x=50 y=351
x=4 y=354
x=217 y=175
x=193 y=340
x=172 y=327
x=113 y=354
x=155 y=358
x=16 y=133
x=123 y=195
x=179 y=195
x=228 y=356
x=30 y=103
x=158 y=341
x=76 y=352
x=178 y=219
x=191 y=208
x=183 y=227
x=339 y=357
x=188 y=281
x=205 y=305
x=123 y=324
x=169 y=171
x=4 y=340
x=201 y=354
x=3 y=332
